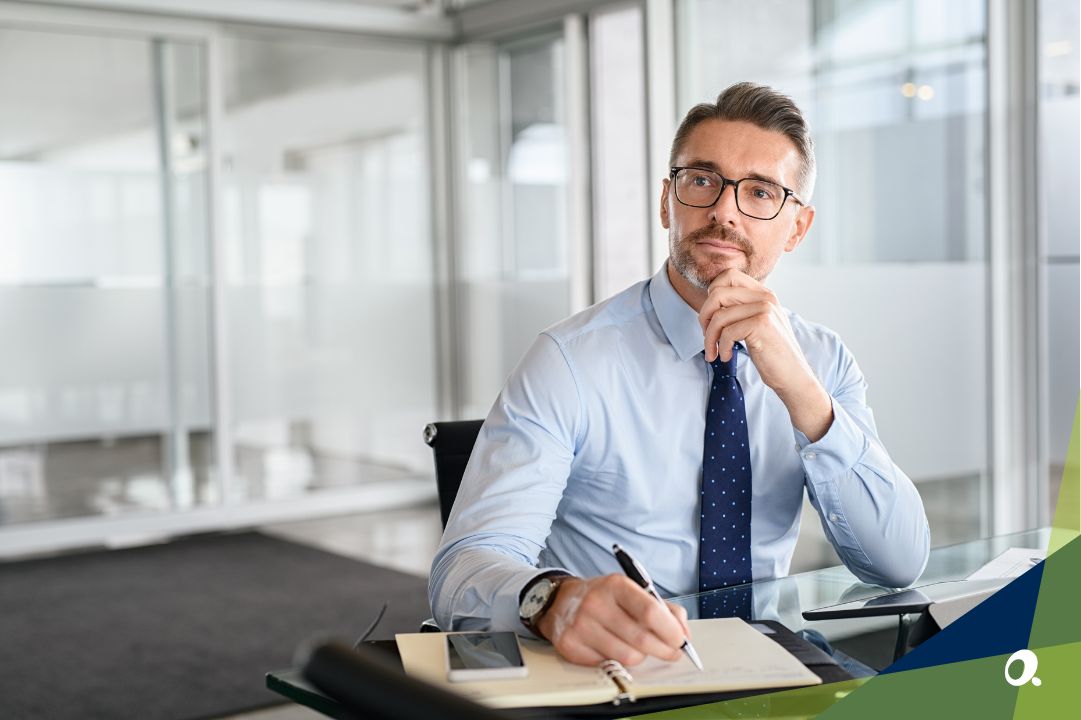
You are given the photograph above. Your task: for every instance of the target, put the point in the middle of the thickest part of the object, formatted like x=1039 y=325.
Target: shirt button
x=833 y=517
x=809 y=456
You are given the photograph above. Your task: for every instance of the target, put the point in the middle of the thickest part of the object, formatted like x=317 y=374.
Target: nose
x=724 y=211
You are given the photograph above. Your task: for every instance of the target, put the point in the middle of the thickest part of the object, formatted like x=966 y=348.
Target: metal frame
x=661 y=100
x=648 y=220
x=318 y=14
x=221 y=383
x=1014 y=457
x=442 y=156
x=176 y=466
x=41 y=16
x=579 y=188
x=497 y=20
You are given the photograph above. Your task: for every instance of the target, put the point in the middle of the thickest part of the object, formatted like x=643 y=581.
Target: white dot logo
x=1029 y=662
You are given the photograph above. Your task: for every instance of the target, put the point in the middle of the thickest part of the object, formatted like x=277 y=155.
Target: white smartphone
x=484 y=656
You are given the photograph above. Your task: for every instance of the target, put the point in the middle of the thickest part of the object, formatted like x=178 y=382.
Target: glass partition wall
x=895 y=93
x=219 y=269
x=325 y=228
x=105 y=401
x=521 y=137
x=200 y=238
x=513 y=248
x=1059 y=187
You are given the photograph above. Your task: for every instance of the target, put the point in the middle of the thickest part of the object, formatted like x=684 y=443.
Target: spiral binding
x=614 y=671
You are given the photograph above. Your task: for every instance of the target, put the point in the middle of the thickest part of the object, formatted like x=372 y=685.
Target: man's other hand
x=611 y=617
x=739 y=308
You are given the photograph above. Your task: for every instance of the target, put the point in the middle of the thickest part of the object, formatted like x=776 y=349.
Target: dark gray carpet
x=183 y=630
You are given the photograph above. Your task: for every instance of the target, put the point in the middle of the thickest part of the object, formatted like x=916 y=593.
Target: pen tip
x=693 y=655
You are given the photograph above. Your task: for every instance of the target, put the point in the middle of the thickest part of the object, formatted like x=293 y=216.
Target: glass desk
x=868 y=640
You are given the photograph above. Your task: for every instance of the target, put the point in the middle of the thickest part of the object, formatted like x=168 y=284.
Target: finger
x=745 y=331
x=724 y=318
x=656 y=630
x=608 y=643
x=733 y=277
x=680 y=613
x=585 y=639
x=723 y=297
x=573 y=649
x=642 y=635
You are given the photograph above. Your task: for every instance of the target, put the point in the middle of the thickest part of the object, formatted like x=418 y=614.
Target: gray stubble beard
x=682 y=260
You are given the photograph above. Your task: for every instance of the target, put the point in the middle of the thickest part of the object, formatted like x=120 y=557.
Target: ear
x=664 y=202
x=805 y=217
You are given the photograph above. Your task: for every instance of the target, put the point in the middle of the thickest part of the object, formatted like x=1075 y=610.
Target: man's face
x=705 y=241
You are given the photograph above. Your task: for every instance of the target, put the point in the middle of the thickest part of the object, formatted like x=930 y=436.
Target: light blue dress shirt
x=597 y=439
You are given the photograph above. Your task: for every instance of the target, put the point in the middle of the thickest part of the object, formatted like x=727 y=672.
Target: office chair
x=451 y=443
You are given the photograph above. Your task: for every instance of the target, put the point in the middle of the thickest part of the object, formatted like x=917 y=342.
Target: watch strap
x=556 y=577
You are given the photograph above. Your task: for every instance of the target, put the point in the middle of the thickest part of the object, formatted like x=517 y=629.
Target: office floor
x=402 y=539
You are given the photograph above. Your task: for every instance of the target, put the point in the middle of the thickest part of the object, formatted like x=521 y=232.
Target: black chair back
x=452 y=443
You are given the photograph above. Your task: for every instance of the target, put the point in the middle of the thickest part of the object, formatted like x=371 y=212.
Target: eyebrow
x=710 y=165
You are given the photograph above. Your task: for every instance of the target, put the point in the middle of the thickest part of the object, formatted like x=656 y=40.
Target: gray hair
x=763 y=107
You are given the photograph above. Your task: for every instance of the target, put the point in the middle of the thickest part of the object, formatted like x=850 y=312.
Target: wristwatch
x=537 y=597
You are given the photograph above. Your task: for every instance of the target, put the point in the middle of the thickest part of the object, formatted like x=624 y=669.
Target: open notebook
x=735 y=656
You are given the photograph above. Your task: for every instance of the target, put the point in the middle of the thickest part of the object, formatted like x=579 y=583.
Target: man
x=682 y=419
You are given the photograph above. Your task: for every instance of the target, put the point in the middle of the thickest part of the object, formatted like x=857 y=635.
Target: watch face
x=535 y=598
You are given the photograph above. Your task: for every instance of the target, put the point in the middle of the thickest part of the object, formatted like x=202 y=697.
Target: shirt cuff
x=836 y=452
x=825 y=463
x=508 y=599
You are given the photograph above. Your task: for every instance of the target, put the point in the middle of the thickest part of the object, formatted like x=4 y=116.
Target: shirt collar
x=678 y=319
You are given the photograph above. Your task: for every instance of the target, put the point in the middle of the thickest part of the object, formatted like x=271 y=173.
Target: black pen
x=638 y=573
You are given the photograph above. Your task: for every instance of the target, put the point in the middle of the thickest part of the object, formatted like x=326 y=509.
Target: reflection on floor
x=403 y=539
x=77 y=479
x=115 y=476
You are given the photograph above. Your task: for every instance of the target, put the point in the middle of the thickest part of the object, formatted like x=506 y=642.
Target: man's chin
x=708 y=271
x=701 y=268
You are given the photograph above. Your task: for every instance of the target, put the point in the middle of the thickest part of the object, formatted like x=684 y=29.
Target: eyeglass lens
x=757 y=198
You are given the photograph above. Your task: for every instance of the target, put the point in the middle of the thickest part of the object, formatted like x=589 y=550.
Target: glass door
x=328 y=268
x=104 y=283
x=1059 y=187
x=512 y=254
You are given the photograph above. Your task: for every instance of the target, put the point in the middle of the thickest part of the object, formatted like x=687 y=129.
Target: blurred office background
x=247 y=250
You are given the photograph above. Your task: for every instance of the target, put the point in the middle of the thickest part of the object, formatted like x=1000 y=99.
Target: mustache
x=723 y=234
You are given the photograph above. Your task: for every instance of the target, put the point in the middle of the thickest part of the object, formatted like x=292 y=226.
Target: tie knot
x=725 y=369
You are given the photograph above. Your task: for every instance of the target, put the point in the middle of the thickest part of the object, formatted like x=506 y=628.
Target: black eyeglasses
x=756 y=198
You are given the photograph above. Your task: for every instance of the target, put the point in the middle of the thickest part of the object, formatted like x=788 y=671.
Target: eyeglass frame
x=725 y=182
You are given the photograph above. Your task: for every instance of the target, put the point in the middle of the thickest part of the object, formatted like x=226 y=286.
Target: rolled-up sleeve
x=509 y=494
x=871 y=511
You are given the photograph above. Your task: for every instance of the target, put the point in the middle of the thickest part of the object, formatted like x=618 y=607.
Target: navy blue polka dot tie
x=725 y=542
